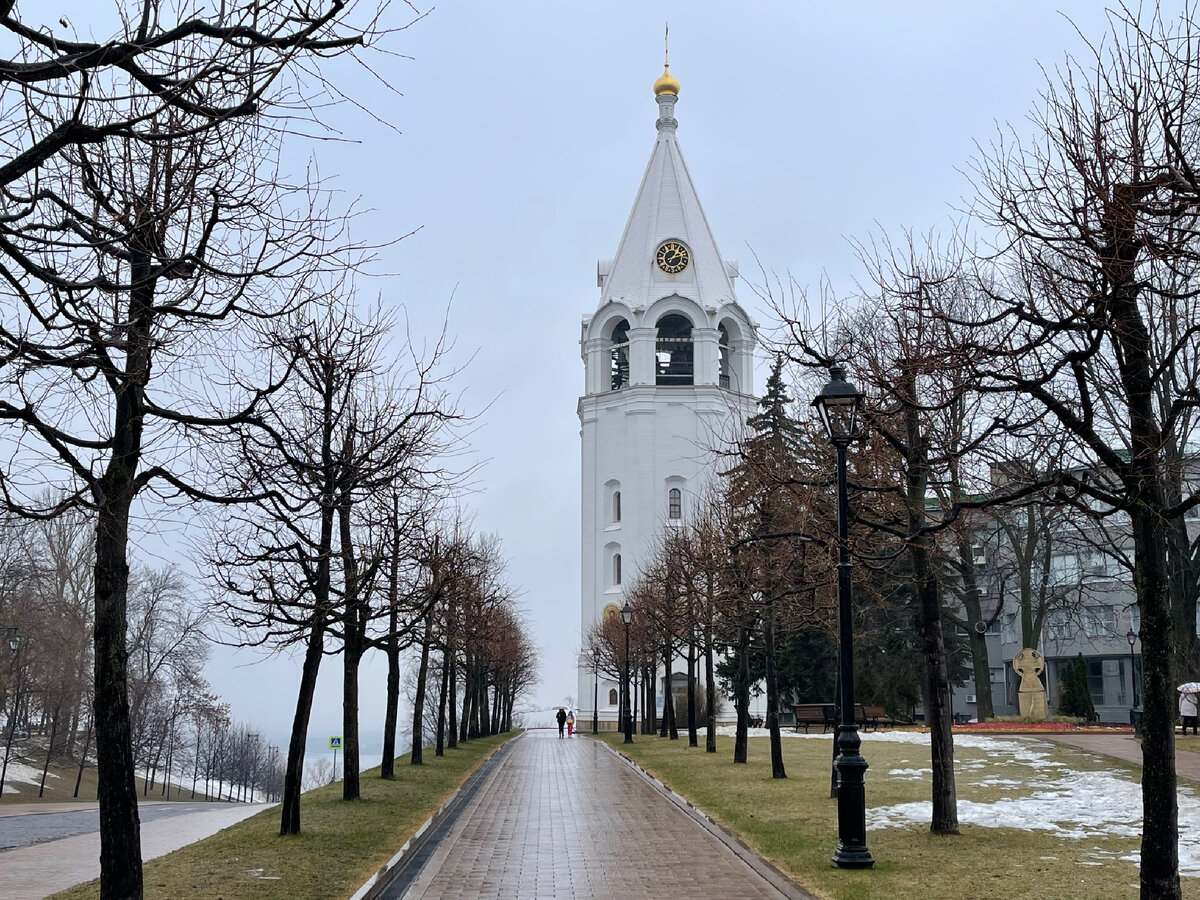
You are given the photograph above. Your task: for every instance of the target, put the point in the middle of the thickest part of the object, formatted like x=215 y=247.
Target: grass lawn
x=793 y=822
x=342 y=844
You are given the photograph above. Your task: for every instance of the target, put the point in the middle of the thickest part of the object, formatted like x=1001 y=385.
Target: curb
x=750 y=857
x=389 y=872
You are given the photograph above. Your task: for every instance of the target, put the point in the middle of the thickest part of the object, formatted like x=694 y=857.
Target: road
x=47 y=848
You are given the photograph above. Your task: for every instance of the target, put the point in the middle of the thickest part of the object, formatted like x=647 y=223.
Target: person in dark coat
x=562 y=720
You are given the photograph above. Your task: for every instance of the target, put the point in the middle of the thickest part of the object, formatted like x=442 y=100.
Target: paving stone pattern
x=565 y=818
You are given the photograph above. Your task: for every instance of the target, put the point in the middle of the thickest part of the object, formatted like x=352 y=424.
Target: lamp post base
x=852 y=852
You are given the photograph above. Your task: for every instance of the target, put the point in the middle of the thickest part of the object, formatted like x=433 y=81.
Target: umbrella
x=1189 y=687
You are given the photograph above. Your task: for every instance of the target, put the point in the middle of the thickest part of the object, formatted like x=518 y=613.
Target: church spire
x=666 y=90
x=667 y=209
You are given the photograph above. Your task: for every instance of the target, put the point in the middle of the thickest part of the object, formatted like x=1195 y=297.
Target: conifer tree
x=764 y=491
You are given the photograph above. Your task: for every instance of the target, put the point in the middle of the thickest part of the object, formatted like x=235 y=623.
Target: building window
x=616 y=506
x=1064 y=569
x=619 y=356
x=675 y=504
x=612 y=696
x=673 y=351
x=616 y=568
x=1099 y=621
x=1058 y=625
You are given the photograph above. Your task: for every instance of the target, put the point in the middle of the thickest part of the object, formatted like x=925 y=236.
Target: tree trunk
x=1160 y=809
x=418 y=731
x=391 y=713
x=355 y=617
x=49 y=748
x=1182 y=581
x=116 y=790
x=668 y=719
x=483 y=718
x=693 y=740
x=87 y=745
x=710 y=690
x=777 y=769
x=440 y=748
x=741 y=694
x=452 y=702
x=976 y=634
x=289 y=822
x=937 y=701
x=944 y=819
x=464 y=727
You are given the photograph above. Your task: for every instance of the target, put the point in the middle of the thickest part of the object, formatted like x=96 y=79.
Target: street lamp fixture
x=595 y=690
x=837 y=405
x=1132 y=637
x=14 y=637
x=627 y=617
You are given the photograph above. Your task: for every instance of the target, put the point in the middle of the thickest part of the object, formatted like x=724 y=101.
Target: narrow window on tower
x=619 y=356
x=616 y=568
x=723 y=357
x=616 y=506
x=674 y=504
x=612 y=696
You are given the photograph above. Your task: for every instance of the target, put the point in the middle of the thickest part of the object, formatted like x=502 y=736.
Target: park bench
x=822 y=714
x=881 y=718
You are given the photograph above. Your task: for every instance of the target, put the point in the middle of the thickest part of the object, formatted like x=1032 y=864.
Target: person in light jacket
x=1187 y=711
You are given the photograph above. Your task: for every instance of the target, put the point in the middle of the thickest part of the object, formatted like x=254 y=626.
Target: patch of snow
x=22 y=774
x=1073 y=805
x=909 y=774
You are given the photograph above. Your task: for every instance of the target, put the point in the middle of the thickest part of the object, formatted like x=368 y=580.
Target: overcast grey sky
x=521 y=136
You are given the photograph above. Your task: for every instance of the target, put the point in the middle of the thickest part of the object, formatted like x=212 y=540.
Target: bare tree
x=1096 y=217
x=144 y=227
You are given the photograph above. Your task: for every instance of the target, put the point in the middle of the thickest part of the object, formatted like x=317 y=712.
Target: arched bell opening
x=674 y=356
x=618 y=351
x=724 y=357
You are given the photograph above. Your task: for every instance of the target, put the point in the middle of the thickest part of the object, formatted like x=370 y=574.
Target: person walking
x=1187 y=711
x=562 y=720
x=570 y=722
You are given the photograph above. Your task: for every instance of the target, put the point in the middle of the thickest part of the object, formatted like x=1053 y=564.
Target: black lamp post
x=837 y=404
x=1132 y=637
x=627 y=617
x=595 y=690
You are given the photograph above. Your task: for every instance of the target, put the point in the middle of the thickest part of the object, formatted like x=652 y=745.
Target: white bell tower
x=668 y=378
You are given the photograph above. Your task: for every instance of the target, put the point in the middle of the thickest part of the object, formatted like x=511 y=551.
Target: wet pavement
x=33 y=826
x=1126 y=747
x=35 y=870
x=569 y=818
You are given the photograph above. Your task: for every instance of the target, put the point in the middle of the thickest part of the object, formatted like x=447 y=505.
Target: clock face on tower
x=672 y=257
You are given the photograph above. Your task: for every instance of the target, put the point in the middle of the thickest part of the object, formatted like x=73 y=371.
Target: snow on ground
x=19 y=772
x=1074 y=805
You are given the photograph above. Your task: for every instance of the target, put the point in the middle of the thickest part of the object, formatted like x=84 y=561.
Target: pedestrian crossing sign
x=335 y=743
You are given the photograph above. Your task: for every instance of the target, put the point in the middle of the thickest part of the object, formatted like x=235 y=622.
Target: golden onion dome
x=666 y=84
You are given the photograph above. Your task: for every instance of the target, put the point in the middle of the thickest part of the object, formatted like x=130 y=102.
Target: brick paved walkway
x=567 y=818
x=1126 y=747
